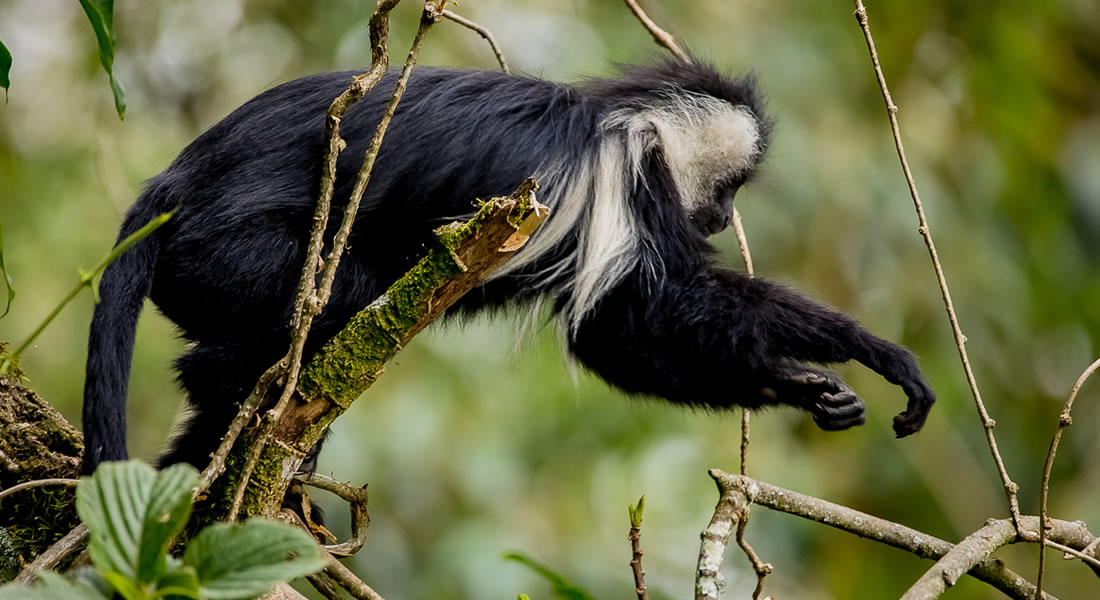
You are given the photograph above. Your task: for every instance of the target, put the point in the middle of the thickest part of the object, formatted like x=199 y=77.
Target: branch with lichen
x=304 y=299
x=463 y=255
x=311 y=300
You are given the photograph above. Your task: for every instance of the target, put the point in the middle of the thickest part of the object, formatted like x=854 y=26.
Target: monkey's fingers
x=921 y=399
x=834 y=412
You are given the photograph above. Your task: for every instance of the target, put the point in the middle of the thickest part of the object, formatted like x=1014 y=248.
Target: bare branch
x=356 y=497
x=325 y=586
x=660 y=36
x=347 y=580
x=892 y=534
x=715 y=539
x=55 y=554
x=483 y=32
x=1010 y=487
x=37 y=483
x=981 y=544
x=1064 y=420
x=962 y=558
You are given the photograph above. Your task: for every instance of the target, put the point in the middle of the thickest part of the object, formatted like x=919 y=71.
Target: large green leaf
x=5 y=278
x=562 y=588
x=244 y=560
x=5 y=68
x=133 y=513
x=51 y=586
x=101 y=16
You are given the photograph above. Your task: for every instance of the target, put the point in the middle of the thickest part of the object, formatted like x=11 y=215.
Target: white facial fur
x=705 y=140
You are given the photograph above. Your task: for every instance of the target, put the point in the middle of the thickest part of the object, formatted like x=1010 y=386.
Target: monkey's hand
x=899 y=367
x=832 y=403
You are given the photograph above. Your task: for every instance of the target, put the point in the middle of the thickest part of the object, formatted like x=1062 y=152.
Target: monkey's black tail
x=122 y=291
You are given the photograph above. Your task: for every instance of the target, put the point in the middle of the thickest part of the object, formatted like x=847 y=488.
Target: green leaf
x=123 y=586
x=636 y=512
x=51 y=586
x=245 y=560
x=5 y=278
x=5 y=69
x=561 y=587
x=178 y=584
x=133 y=513
x=101 y=16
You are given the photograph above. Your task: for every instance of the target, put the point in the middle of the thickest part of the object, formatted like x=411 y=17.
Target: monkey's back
x=244 y=190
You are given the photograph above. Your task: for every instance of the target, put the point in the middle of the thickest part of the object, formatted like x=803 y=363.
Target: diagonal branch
x=989 y=570
x=660 y=36
x=300 y=321
x=462 y=256
x=312 y=303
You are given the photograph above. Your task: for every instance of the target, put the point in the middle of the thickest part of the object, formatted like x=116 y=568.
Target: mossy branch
x=462 y=256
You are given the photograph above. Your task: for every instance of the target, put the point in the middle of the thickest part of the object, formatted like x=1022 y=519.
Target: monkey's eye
x=727 y=189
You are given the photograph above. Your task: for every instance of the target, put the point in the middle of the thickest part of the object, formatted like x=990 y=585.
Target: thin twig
x=988 y=423
x=325 y=586
x=85 y=279
x=379 y=35
x=660 y=36
x=483 y=32
x=635 y=537
x=54 y=554
x=347 y=580
x=761 y=568
x=921 y=544
x=36 y=483
x=746 y=255
x=1085 y=557
x=356 y=497
x=746 y=418
x=742 y=242
x=339 y=574
x=430 y=16
x=1064 y=420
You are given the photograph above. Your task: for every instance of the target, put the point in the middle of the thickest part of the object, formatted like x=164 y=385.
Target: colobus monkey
x=638 y=170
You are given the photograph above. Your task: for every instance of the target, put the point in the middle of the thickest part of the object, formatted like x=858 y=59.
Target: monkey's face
x=711 y=148
x=717 y=215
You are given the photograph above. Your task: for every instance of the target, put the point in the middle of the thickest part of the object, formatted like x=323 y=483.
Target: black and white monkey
x=638 y=170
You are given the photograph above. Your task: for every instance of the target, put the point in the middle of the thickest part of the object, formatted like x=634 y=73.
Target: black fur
x=225 y=266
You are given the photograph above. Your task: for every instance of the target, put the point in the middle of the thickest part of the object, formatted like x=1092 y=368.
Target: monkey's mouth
x=712 y=220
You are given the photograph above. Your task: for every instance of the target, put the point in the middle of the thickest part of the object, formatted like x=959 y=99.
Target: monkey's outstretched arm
x=721 y=338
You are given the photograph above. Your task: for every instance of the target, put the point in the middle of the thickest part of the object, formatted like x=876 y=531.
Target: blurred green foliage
x=479 y=440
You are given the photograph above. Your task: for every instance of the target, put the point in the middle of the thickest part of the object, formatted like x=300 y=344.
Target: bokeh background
x=482 y=439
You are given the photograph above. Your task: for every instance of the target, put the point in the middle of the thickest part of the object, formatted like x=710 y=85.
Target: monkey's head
x=710 y=131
